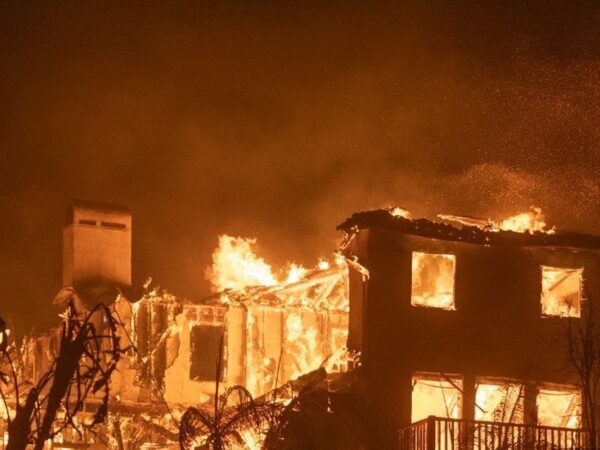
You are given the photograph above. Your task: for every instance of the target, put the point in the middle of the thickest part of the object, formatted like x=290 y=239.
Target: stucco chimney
x=96 y=243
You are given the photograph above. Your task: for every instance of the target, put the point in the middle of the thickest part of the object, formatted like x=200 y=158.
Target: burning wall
x=259 y=336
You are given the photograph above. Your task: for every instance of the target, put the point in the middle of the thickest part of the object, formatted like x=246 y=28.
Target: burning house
x=256 y=331
x=462 y=326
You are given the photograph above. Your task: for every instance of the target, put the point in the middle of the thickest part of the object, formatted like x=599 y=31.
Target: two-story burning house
x=469 y=324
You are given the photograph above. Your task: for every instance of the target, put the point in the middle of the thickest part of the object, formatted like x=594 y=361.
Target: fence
x=438 y=433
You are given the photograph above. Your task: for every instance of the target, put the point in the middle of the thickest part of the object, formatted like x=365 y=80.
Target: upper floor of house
x=443 y=296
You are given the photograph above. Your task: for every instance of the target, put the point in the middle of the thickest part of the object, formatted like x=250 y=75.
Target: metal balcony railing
x=438 y=433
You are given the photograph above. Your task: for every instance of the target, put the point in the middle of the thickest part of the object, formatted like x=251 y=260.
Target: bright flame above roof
x=528 y=222
x=235 y=266
x=397 y=211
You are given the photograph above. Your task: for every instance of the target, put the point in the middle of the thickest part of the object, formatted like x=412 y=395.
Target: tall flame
x=300 y=324
x=235 y=265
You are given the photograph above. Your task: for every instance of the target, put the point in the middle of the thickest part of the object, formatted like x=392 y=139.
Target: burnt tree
x=88 y=353
x=583 y=356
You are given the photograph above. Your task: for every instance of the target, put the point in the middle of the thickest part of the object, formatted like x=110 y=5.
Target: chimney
x=96 y=243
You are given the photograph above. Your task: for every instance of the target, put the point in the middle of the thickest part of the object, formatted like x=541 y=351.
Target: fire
x=559 y=407
x=295 y=320
x=251 y=438
x=528 y=222
x=561 y=291
x=323 y=264
x=295 y=273
x=303 y=348
x=236 y=266
x=499 y=402
x=532 y=221
x=436 y=395
x=397 y=211
x=433 y=280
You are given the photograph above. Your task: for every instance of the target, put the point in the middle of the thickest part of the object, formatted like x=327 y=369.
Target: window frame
x=553 y=389
x=454 y=260
x=451 y=379
x=543 y=310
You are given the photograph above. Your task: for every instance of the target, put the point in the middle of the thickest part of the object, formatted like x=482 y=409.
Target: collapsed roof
x=319 y=289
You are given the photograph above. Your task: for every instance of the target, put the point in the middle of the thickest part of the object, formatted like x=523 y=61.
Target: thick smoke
x=277 y=123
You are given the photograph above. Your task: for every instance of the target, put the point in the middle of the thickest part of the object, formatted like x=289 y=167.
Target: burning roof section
x=272 y=326
x=239 y=276
x=319 y=289
x=473 y=231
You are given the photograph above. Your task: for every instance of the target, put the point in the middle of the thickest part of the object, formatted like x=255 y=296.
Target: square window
x=499 y=402
x=561 y=291
x=205 y=351
x=433 y=280
x=436 y=395
x=559 y=406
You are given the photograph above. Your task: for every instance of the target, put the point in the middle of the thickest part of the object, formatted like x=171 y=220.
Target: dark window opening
x=113 y=225
x=87 y=222
x=206 y=341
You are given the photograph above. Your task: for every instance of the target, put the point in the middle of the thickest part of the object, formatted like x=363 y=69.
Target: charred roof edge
x=383 y=220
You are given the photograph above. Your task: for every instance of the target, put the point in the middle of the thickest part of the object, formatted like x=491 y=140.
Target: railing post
x=431 y=433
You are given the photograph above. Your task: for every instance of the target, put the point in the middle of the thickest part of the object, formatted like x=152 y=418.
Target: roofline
x=381 y=219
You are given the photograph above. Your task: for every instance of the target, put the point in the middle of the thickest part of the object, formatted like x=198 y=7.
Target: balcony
x=437 y=433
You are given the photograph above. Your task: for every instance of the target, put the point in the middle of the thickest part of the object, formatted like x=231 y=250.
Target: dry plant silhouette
x=79 y=376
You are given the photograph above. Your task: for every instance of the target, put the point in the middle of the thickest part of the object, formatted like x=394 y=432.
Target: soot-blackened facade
x=495 y=329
